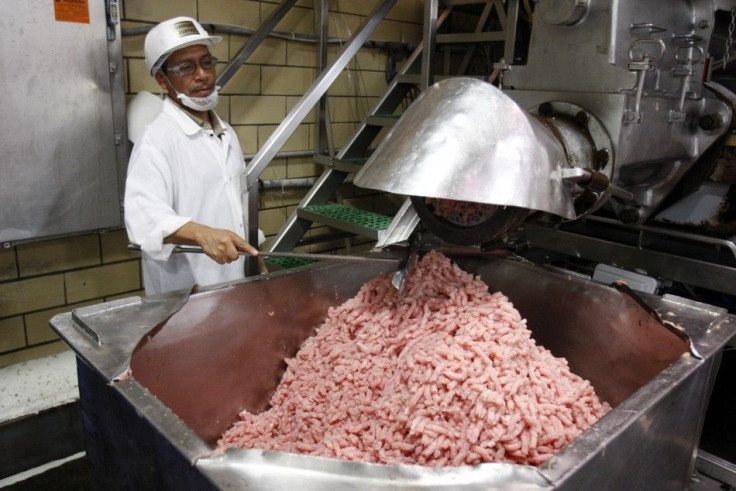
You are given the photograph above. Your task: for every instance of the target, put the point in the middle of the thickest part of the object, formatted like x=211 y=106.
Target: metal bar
x=185 y=249
x=716 y=467
x=703 y=239
x=482 y=21
x=716 y=277
x=512 y=16
x=429 y=42
x=332 y=257
x=400 y=228
x=321 y=11
x=255 y=41
x=289 y=36
x=453 y=3
x=250 y=200
x=318 y=88
x=288 y=183
x=470 y=38
x=390 y=98
x=283 y=155
x=295 y=226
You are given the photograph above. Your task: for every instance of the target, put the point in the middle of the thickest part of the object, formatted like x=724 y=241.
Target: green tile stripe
x=355 y=216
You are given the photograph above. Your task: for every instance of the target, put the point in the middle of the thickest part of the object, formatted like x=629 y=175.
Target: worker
x=184 y=174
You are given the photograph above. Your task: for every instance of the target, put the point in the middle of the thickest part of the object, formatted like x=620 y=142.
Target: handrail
x=318 y=88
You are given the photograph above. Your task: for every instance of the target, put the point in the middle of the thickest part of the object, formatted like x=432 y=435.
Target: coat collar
x=187 y=124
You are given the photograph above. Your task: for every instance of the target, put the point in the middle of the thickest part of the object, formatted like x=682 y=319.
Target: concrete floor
x=70 y=476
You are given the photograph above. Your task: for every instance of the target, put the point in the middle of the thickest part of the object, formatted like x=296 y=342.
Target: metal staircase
x=320 y=205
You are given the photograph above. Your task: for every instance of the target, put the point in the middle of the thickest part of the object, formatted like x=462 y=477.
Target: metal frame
x=638 y=254
x=297 y=114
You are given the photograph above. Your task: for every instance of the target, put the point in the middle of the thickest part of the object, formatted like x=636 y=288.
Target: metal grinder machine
x=614 y=105
x=610 y=110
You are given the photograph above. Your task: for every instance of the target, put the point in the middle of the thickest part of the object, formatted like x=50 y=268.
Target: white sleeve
x=149 y=215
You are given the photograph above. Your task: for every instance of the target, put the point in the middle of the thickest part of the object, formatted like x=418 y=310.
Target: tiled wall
x=39 y=280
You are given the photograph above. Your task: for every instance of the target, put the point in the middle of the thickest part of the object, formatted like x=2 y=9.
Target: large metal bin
x=156 y=395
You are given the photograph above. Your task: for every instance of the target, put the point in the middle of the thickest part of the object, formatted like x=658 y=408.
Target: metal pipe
x=292 y=183
x=430 y=38
x=321 y=14
x=296 y=182
x=289 y=36
x=291 y=154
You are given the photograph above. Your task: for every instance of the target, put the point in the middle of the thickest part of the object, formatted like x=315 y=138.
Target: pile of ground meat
x=448 y=376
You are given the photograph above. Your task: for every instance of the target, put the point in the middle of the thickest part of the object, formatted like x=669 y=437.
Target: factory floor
x=73 y=475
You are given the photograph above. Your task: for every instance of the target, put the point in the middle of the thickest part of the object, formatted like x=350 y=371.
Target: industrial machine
x=606 y=110
x=613 y=104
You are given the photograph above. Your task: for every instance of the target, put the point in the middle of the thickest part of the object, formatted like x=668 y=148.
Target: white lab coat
x=179 y=172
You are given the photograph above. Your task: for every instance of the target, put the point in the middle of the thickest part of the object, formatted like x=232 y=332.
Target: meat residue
x=450 y=376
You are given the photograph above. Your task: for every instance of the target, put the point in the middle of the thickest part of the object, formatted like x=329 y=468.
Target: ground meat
x=463 y=213
x=450 y=376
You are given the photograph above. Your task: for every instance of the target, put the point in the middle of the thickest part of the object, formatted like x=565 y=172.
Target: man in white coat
x=184 y=175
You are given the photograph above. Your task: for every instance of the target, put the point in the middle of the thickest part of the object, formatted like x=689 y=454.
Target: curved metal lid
x=464 y=139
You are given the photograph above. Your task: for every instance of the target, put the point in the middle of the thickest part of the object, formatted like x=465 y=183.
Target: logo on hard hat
x=185 y=28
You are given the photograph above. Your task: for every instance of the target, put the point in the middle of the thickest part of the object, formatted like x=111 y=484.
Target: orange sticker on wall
x=72 y=11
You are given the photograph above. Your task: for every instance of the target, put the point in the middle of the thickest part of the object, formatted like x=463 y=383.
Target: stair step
x=341 y=217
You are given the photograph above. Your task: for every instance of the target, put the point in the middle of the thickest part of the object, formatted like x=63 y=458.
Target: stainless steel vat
x=153 y=409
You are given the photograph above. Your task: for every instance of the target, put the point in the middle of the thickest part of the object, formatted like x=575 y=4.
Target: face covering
x=196 y=103
x=199 y=103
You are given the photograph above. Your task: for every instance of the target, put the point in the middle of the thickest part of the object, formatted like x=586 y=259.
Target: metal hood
x=463 y=139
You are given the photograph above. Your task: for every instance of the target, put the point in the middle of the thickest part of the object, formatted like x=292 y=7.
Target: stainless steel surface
x=64 y=143
x=344 y=258
x=562 y=12
x=717 y=468
x=465 y=140
x=429 y=42
x=401 y=276
x=619 y=87
x=400 y=228
x=692 y=259
x=637 y=67
x=169 y=410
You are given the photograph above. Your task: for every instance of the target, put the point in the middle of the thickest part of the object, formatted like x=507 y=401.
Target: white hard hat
x=171 y=35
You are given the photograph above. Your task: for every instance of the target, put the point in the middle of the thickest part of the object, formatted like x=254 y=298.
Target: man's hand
x=222 y=246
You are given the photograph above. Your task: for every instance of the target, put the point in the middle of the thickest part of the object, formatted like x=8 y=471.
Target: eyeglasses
x=188 y=68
